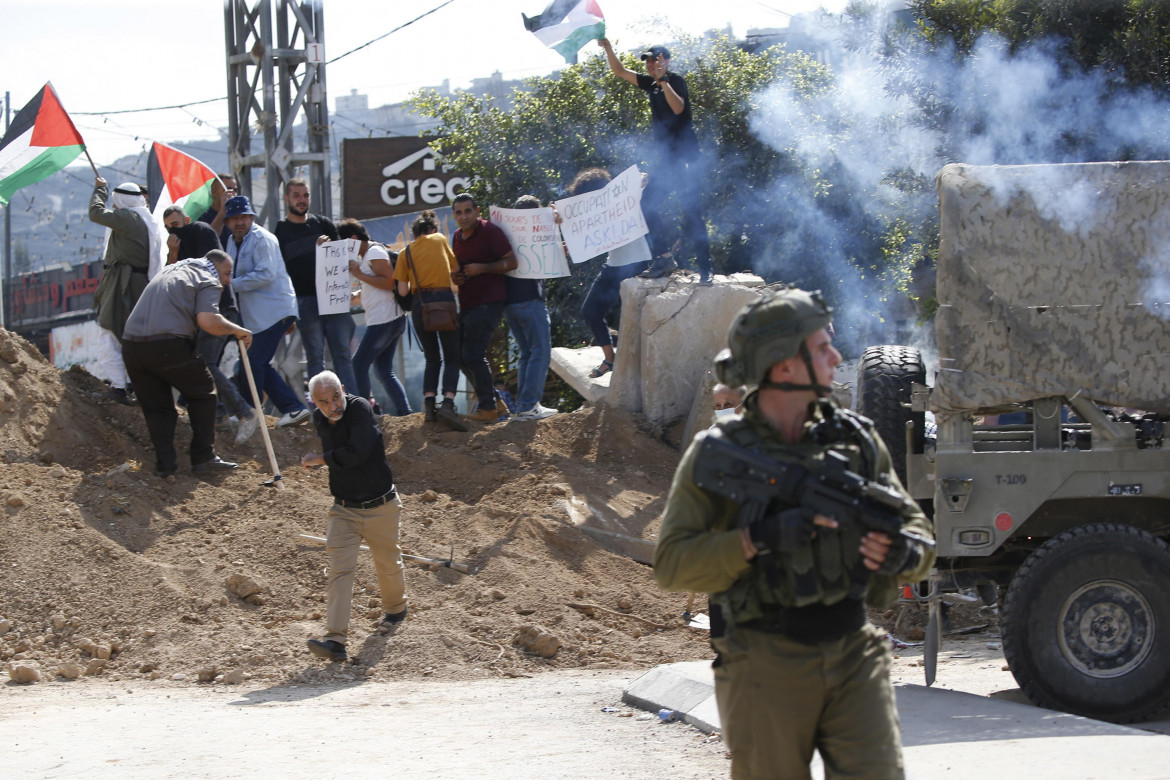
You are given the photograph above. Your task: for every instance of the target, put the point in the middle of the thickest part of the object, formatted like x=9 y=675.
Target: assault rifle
x=826 y=487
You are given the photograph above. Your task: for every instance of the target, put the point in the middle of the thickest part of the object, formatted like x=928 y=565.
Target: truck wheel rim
x=1106 y=629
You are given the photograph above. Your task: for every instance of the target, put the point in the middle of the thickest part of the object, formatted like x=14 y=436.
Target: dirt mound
x=116 y=572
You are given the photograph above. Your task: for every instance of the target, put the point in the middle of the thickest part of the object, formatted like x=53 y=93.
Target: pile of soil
x=110 y=571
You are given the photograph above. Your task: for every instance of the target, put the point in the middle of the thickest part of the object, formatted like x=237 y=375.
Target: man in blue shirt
x=267 y=304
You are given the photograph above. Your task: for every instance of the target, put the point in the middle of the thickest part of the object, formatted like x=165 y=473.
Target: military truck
x=1046 y=470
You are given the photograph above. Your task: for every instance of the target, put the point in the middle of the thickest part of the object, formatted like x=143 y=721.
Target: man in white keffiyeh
x=132 y=255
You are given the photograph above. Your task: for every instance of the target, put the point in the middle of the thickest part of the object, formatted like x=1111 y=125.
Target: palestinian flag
x=175 y=178
x=567 y=25
x=41 y=141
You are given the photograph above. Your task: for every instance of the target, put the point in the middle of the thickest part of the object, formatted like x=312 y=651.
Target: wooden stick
x=276 y=480
x=462 y=568
x=587 y=607
x=91 y=165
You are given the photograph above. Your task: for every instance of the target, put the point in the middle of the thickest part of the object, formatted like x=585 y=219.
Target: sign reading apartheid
x=602 y=220
x=333 y=282
x=534 y=239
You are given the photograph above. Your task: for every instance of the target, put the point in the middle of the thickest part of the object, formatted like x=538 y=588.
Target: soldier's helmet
x=768 y=332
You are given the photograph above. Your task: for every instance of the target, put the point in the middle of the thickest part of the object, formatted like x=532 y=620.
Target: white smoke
x=894 y=121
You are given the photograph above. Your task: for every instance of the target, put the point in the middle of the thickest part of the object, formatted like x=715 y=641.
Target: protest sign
x=598 y=221
x=533 y=236
x=333 y=282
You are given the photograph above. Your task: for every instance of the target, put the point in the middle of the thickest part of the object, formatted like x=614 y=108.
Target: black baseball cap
x=654 y=52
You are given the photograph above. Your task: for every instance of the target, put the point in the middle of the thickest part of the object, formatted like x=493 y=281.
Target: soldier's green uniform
x=799 y=666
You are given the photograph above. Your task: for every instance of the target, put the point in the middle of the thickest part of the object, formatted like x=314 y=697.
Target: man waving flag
x=567 y=25
x=175 y=178
x=41 y=141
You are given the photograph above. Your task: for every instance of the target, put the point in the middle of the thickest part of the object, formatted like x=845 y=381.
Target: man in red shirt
x=484 y=256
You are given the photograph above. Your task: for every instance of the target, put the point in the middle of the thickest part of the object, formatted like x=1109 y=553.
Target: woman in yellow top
x=426 y=264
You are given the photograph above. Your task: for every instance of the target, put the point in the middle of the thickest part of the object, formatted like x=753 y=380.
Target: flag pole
x=91 y=165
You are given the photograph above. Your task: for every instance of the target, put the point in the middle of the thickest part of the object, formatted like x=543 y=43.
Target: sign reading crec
x=384 y=177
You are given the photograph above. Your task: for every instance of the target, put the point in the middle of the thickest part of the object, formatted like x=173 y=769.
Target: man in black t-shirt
x=299 y=233
x=674 y=159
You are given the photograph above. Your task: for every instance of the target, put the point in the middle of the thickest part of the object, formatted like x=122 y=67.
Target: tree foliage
x=1131 y=37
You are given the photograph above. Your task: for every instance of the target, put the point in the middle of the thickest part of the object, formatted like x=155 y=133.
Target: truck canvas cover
x=1053 y=280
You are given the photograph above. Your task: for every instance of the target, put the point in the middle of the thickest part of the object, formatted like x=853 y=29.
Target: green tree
x=584 y=116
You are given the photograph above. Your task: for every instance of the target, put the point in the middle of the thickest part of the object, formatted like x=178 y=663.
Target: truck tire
x=1086 y=623
x=884 y=376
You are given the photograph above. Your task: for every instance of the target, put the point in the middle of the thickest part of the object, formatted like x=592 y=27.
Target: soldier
x=798 y=667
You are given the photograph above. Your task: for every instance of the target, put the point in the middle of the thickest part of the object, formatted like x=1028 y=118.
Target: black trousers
x=157 y=366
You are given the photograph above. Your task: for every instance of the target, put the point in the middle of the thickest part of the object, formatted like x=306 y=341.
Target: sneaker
x=215 y=464
x=449 y=417
x=293 y=418
x=393 y=618
x=328 y=648
x=537 y=412
x=659 y=268
x=248 y=426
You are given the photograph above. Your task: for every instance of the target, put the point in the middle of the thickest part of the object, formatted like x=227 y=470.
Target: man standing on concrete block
x=799 y=667
x=299 y=233
x=366 y=508
x=484 y=256
x=673 y=157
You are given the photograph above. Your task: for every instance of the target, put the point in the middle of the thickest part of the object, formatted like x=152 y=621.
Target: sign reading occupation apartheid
x=599 y=221
x=333 y=283
x=533 y=236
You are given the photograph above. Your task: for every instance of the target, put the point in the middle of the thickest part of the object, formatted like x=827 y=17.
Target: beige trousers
x=348 y=528
x=780 y=700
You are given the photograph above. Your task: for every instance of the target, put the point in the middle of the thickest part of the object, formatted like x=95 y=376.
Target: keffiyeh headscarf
x=129 y=195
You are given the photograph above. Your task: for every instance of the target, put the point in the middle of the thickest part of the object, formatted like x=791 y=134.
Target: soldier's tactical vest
x=825 y=570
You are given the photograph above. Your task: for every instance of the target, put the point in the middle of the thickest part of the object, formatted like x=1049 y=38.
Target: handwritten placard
x=534 y=239
x=599 y=221
x=333 y=282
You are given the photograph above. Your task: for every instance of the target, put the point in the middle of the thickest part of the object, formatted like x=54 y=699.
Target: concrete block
x=687 y=688
x=574 y=365
x=683 y=328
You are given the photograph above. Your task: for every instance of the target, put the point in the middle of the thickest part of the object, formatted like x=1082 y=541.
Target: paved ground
x=567 y=725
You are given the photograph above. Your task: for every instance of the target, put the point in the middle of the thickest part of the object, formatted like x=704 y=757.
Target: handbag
x=437 y=315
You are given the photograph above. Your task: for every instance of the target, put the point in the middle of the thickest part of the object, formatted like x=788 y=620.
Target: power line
x=214 y=100
x=396 y=29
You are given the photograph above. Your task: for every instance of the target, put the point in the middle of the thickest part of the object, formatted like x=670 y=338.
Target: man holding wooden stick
x=366 y=508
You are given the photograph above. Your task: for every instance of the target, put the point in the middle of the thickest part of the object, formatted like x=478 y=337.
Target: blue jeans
x=476 y=326
x=315 y=330
x=211 y=349
x=605 y=292
x=378 y=346
x=529 y=325
x=266 y=377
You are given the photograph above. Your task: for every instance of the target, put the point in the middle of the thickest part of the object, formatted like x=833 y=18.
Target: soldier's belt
x=814 y=623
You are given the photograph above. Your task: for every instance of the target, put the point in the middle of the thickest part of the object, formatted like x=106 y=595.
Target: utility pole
x=276 y=74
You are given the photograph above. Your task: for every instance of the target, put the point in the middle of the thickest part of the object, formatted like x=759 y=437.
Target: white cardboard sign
x=599 y=221
x=333 y=282
x=535 y=241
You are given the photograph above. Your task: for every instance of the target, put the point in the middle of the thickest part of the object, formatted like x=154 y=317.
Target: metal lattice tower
x=276 y=70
